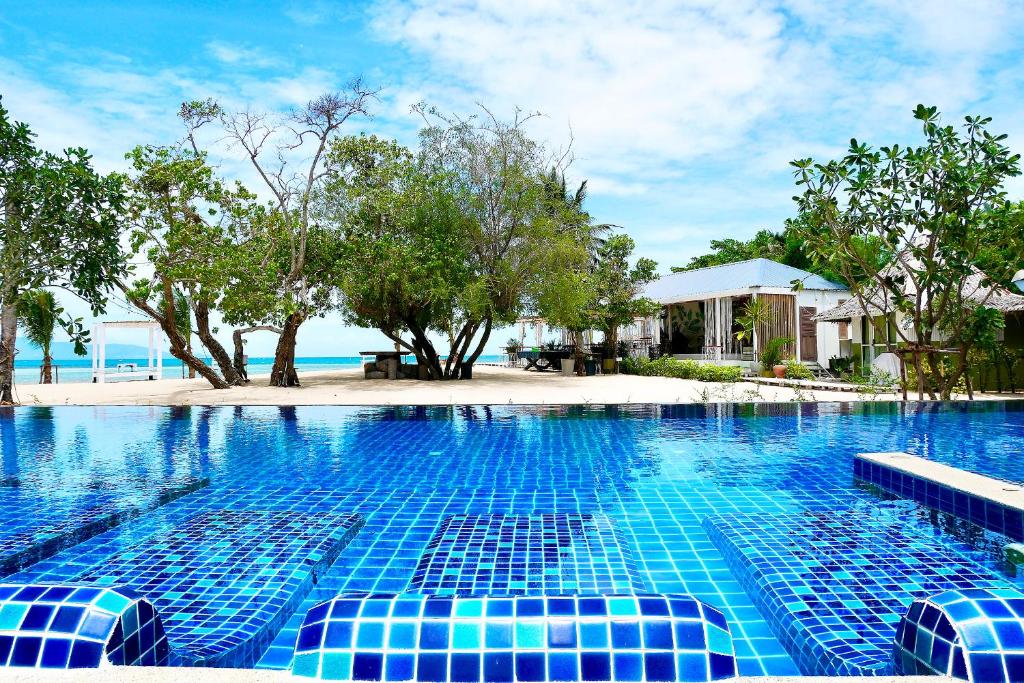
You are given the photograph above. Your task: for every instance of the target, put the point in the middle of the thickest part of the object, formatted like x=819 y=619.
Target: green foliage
x=618 y=286
x=666 y=366
x=405 y=248
x=454 y=238
x=935 y=210
x=771 y=354
x=41 y=315
x=786 y=246
x=58 y=219
x=58 y=228
x=755 y=314
x=797 y=370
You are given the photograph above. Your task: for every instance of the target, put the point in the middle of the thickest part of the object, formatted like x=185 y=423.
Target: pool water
x=513 y=500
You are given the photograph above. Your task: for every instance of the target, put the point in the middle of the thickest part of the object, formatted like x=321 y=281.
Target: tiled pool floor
x=653 y=473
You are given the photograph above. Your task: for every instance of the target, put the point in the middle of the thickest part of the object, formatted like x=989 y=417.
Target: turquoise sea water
x=80 y=370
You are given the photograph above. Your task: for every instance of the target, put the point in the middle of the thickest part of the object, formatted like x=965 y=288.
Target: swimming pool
x=639 y=498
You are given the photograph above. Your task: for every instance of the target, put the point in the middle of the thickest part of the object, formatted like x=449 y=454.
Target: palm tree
x=39 y=312
x=568 y=206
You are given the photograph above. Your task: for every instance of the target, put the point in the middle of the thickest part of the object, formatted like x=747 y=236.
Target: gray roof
x=975 y=290
x=706 y=282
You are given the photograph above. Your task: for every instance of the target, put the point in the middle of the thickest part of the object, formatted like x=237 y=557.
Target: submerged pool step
x=226 y=580
x=834 y=585
x=38 y=527
x=535 y=554
x=991 y=503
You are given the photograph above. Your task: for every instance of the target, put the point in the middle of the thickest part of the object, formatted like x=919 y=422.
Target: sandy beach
x=490 y=385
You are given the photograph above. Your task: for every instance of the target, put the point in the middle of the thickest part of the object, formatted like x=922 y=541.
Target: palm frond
x=38 y=313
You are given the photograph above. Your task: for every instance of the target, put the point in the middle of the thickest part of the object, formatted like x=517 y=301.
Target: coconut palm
x=568 y=206
x=39 y=313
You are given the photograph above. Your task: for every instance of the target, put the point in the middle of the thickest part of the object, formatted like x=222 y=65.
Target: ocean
x=80 y=369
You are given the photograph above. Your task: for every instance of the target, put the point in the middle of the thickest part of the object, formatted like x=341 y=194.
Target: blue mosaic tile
x=834 y=586
x=439 y=638
x=225 y=581
x=74 y=627
x=972 y=635
x=546 y=554
x=655 y=472
x=38 y=526
x=987 y=514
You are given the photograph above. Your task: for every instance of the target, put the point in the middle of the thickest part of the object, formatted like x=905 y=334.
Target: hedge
x=667 y=366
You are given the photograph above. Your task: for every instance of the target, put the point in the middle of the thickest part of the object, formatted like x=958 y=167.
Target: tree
x=496 y=172
x=566 y=294
x=40 y=315
x=785 y=247
x=192 y=228
x=404 y=264
x=182 y=320
x=58 y=228
x=275 y=148
x=619 y=286
x=446 y=241
x=936 y=208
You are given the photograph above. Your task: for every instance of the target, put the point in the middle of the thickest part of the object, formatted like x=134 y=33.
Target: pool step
x=437 y=638
x=834 y=585
x=535 y=554
x=991 y=503
x=38 y=526
x=226 y=580
x=77 y=627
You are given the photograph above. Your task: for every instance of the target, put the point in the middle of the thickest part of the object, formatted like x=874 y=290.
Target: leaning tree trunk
x=47 y=368
x=488 y=325
x=8 y=337
x=217 y=350
x=283 y=373
x=238 y=359
x=178 y=344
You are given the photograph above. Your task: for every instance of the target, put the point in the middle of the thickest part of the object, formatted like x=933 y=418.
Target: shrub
x=797 y=370
x=771 y=354
x=666 y=366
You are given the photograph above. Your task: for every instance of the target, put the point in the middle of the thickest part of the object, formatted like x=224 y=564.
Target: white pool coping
x=989 y=488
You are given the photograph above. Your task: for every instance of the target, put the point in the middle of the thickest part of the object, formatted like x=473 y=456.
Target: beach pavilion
x=700 y=309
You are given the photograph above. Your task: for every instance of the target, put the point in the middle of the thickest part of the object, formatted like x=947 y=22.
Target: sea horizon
x=79 y=370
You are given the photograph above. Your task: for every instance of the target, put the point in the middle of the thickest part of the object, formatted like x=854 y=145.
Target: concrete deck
x=490 y=386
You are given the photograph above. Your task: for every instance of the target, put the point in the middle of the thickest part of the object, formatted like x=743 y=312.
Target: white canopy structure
x=154 y=357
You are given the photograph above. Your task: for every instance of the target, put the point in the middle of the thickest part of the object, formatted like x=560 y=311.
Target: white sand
x=490 y=385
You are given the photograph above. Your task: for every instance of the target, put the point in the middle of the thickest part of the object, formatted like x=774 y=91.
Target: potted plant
x=771 y=356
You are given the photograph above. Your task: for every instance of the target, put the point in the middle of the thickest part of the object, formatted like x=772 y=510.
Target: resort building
x=702 y=309
x=870 y=337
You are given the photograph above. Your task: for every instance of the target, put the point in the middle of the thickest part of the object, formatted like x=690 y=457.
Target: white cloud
x=237 y=55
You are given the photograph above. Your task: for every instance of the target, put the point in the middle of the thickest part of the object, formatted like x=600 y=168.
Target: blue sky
x=683 y=115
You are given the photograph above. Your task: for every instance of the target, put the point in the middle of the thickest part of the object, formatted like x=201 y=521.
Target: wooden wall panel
x=781 y=321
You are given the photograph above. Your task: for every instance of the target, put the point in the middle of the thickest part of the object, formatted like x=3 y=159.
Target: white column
x=92 y=344
x=102 y=338
x=159 y=354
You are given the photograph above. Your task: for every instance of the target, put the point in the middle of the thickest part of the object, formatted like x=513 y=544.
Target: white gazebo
x=154 y=358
